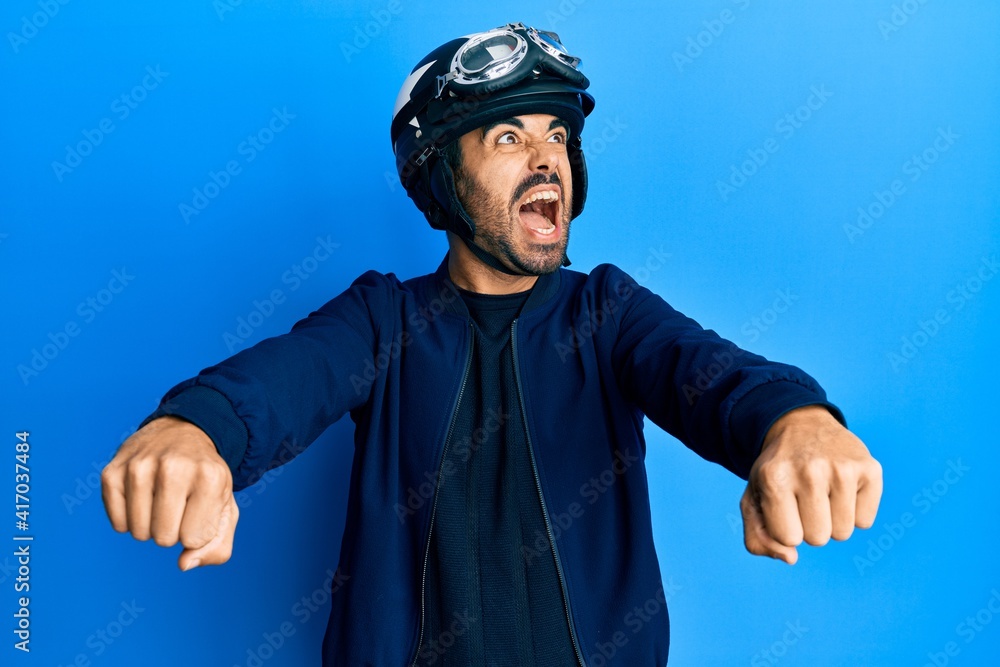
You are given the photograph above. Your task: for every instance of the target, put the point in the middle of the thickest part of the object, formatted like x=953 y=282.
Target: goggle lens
x=552 y=40
x=488 y=57
x=488 y=53
x=549 y=41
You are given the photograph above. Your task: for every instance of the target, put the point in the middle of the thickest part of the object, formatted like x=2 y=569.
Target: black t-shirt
x=492 y=594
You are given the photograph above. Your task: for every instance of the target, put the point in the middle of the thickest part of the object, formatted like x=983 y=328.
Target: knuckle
x=172 y=473
x=774 y=477
x=843 y=477
x=140 y=470
x=172 y=467
x=769 y=469
x=816 y=471
x=212 y=474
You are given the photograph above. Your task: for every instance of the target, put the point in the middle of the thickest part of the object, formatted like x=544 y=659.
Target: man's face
x=514 y=180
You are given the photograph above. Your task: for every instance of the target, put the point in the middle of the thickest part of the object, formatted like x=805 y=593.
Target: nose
x=544 y=156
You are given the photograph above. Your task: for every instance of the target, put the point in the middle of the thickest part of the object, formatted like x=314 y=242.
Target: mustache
x=532 y=181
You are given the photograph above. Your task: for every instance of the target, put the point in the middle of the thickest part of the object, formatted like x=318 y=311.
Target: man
x=498 y=510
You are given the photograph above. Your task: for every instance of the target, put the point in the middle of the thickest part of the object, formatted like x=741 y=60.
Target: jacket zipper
x=538 y=486
x=444 y=452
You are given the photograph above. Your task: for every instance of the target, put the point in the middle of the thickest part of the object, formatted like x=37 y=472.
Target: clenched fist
x=813 y=480
x=168 y=482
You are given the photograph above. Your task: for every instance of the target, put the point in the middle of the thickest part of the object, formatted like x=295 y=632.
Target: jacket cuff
x=212 y=412
x=754 y=415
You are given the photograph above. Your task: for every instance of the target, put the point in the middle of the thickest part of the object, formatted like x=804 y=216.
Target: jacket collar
x=445 y=290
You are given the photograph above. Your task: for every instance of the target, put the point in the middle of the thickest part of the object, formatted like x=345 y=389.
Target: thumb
x=755 y=536
x=219 y=548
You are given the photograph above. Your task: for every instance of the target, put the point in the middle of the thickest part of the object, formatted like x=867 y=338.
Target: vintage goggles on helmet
x=493 y=60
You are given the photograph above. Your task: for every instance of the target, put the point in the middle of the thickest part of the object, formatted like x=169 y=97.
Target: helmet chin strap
x=493 y=262
x=463 y=225
x=488 y=259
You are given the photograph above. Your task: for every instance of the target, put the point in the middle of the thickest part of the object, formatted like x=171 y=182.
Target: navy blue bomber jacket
x=594 y=353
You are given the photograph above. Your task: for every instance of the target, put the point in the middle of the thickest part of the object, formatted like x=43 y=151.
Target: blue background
x=686 y=94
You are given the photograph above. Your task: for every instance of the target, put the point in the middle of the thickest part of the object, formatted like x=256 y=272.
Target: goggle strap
x=442 y=81
x=561 y=63
x=420 y=159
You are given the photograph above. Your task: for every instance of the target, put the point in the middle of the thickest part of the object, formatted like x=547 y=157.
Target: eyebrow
x=516 y=122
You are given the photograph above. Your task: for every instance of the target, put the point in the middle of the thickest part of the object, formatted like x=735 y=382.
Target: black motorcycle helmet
x=469 y=82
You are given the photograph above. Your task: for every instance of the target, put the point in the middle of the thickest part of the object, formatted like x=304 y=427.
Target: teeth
x=547 y=195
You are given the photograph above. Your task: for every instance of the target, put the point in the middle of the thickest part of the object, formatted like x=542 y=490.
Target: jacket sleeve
x=264 y=405
x=713 y=396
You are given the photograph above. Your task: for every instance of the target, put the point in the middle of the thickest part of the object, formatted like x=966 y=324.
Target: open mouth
x=539 y=210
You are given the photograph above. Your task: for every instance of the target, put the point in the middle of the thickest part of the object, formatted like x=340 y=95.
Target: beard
x=498 y=223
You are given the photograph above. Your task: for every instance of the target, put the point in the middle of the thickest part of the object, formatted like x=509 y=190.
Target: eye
x=507 y=138
x=559 y=138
